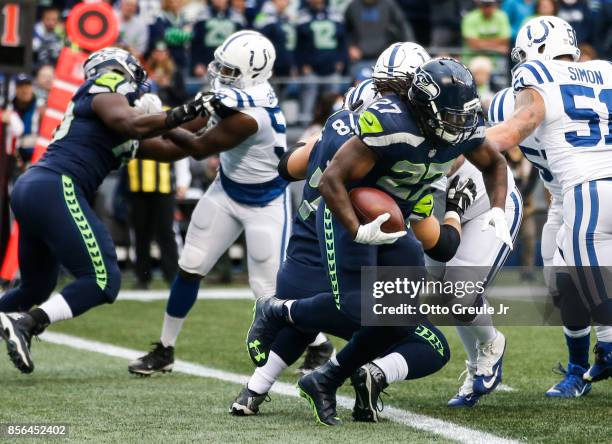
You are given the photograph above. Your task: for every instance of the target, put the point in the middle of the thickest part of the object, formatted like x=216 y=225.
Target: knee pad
x=192 y=259
x=260 y=245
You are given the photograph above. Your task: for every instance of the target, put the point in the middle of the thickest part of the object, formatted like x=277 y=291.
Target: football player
x=51 y=201
x=403 y=143
x=247 y=128
x=566 y=106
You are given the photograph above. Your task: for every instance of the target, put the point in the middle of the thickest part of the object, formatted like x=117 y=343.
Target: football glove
x=371 y=233
x=496 y=218
x=184 y=113
x=459 y=196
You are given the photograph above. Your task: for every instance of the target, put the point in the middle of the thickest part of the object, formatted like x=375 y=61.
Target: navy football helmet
x=117 y=60
x=444 y=95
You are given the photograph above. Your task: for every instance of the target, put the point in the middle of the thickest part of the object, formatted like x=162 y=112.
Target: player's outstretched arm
x=160 y=149
x=352 y=162
x=227 y=134
x=529 y=113
x=293 y=165
x=117 y=114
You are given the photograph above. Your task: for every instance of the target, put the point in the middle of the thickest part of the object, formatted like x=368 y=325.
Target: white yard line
x=416 y=421
x=506 y=293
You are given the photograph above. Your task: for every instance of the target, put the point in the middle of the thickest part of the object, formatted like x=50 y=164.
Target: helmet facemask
x=224 y=73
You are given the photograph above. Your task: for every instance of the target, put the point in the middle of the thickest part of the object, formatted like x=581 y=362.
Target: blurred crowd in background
x=322 y=46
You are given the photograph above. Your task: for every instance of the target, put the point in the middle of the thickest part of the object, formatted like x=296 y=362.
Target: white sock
x=394 y=366
x=170 y=330
x=320 y=339
x=264 y=377
x=468 y=338
x=604 y=333
x=484 y=333
x=577 y=333
x=56 y=308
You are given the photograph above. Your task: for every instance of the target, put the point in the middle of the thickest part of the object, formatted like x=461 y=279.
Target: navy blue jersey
x=210 y=31
x=171 y=30
x=303 y=244
x=408 y=161
x=320 y=41
x=83 y=147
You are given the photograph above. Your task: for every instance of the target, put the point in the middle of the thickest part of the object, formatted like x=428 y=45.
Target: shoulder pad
x=532 y=73
x=501 y=106
x=111 y=82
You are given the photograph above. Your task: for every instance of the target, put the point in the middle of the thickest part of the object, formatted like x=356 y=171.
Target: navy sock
x=183 y=295
x=578 y=348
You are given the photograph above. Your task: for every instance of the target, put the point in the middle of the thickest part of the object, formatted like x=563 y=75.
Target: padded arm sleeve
x=282 y=164
x=447 y=244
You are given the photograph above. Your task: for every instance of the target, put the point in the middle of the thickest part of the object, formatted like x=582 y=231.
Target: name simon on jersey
x=585 y=75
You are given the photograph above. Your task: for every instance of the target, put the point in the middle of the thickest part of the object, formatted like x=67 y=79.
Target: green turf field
x=95 y=394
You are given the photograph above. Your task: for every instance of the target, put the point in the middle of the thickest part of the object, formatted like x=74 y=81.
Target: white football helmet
x=544 y=38
x=359 y=97
x=400 y=60
x=244 y=59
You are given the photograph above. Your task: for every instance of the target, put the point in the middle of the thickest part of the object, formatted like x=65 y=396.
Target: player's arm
x=160 y=149
x=494 y=171
x=293 y=165
x=529 y=113
x=352 y=162
x=441 y=242
x=117 y=114
x=228 y=133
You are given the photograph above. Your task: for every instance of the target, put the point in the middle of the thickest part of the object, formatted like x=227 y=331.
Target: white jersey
x=502 y=106
x=481 y=204
x=576 y=129
x=249 y=170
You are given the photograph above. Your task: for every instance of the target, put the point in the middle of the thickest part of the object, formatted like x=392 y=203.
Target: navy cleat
x=247 y=402
x=268 y=320
x=466 y=396
x=316 y=356
x=319 y=389
x=17 y=330
x=369 y=382
x=489 y=365
x=602 y=368
x=572 y=385
x=159 y=360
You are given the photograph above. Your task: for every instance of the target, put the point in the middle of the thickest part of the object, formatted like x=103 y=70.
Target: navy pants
x=58 y=227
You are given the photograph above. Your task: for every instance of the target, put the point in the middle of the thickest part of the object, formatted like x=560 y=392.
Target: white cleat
x=489 y=365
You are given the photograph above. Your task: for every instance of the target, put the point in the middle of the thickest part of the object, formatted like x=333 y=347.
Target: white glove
x=372 y=234
x=149 y=103
x=496 y=217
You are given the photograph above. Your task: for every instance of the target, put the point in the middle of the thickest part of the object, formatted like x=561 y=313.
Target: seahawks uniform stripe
x=391 y=139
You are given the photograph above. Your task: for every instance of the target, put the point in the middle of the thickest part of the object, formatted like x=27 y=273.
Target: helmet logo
x=424 y=82
x=539 y=39
x=265 y=62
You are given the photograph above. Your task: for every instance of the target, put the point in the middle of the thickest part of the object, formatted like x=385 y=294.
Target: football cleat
x=466 y=396
x=572 y=385
x=489 y=365
x=319 y=389
x=316 y=356
x=247 y=402
x=17 y=330
x=369 y=382
x=602 y=368
x=267 y=321
x=159 y=360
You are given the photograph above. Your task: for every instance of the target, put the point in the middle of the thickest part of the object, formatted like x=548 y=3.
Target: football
x=369 y=203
